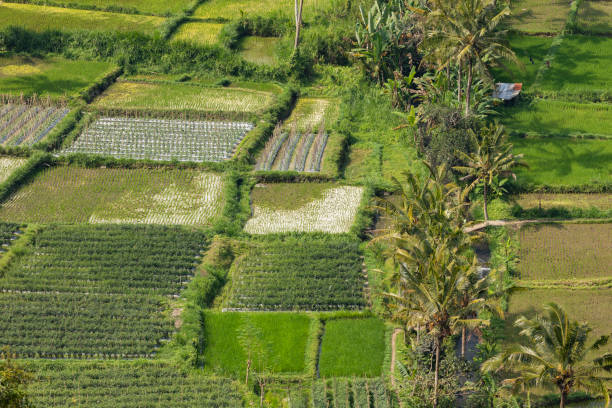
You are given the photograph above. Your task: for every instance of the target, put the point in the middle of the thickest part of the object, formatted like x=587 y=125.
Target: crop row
x=355 y=393
x=8 y=233
x=161 y=139
x=299 y=275
x=335 y=212
x=24 y=124
x=296 y=150
x=110 y=384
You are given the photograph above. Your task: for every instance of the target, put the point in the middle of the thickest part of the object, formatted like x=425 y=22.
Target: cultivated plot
x=364 y=392
x=233 y=9
x=298 y=274
x=352 y=347
x=589 y=305
x=8 y=165
x=563 y=161
x=540 y=16
x=148 y=196
x=557 y=117
x=306 y=207
x=565 y=251
x=127 y=384
x=51 y=76
x=154 y=7
x=95 y=291
x=547 y=201
x=26 y=124
x=531 y=51
x=594 y=17
x=40 y=18
x=276 y=341
x=199 y=32
x=178 y=97
x=161 y=139
x=259 y=50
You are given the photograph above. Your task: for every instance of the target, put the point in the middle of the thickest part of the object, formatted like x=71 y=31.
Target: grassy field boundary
x=64 y=128
x=578 y=284
x=19 y=247
x=23 y=174
x=100 y=85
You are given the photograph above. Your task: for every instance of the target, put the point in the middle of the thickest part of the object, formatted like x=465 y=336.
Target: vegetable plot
x=26 y=124
x=299 y=274
x=161 y=139
x=95 y=291
x=136 y=196
x=351 y=393
x=333 y=213
x=111 y=384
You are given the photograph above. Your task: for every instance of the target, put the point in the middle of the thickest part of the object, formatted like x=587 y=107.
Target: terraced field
x=22 y=124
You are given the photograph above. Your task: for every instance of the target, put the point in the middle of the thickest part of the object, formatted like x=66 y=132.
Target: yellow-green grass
x=199 y=32
x=362 y=162
x=352 y=347
x=396 y=160
x=176 y=97
x=259 y=50
x=155 y=7
x=547 y=201
x=52 y=76
x=594 y=16
x=41 y=18
x=148 y=196
x=310 y=113
x=588 y=305
x=565 y=252
x=560 y=161
x=539 y=16
x=8 y=165
x=581 y=65
x=288 y=196
x=558 y=117
x=274 y=342
x=233 y=9
x=525 y=47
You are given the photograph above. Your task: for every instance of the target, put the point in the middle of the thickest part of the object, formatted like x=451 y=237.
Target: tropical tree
x=558 y=355
x=491 y=159
x=467 y=33
x=13 y=380
x=298 y=8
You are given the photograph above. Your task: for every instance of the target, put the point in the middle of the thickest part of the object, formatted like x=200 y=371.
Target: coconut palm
x=493 y=158
x=557 y=355
x=468 y=31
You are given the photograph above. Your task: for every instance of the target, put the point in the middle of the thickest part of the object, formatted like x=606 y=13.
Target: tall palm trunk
x=486 y=213
x=299 y=4
x=463 y=342
x=459 y=95
x=563 y=402
x=468 y=89
x=436 y=372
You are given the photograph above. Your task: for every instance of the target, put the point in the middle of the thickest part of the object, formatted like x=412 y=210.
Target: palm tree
x=468 y=31
x=493 y=157
x=428 y=249
x=557 y=356
x=298 y=7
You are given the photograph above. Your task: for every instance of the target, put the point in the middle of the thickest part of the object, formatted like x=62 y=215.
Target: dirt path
x=393 y=343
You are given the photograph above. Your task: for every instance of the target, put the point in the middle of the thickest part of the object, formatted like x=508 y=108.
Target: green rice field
x=199 y=32
x=352 y=347
x=178 y=97
x=547 y=201
x=566 y=252
x=154 y=7
x=539 y=16
x=564 y=161
x=594 y=16
x=275 y=342
x=525 y=46
x=51 y=76
x=150 y=196
x=232 y=9
x=557 y=117
x=41 y=18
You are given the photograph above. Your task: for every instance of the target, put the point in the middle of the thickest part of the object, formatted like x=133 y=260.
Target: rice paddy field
x=161 y=139
x=233 y=338
x=594 y=16
x=352 y=347
x=547 y=201
x=178 y=97
x=558 y=117
x=259 y=50
x=232 y=9
x=561 y=161
x=589 y=305
x=132 y=196
x=154 y=7
x=311 y=207
x=565 y=252
x=51 y=76
x=539 y=16
x=581 y=65
x=40 y=18
x=26 y=124
x=8 y=165
x=199 y=32
x=525 y=47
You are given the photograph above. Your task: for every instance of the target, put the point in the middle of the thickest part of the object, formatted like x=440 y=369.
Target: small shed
x=507 y=91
